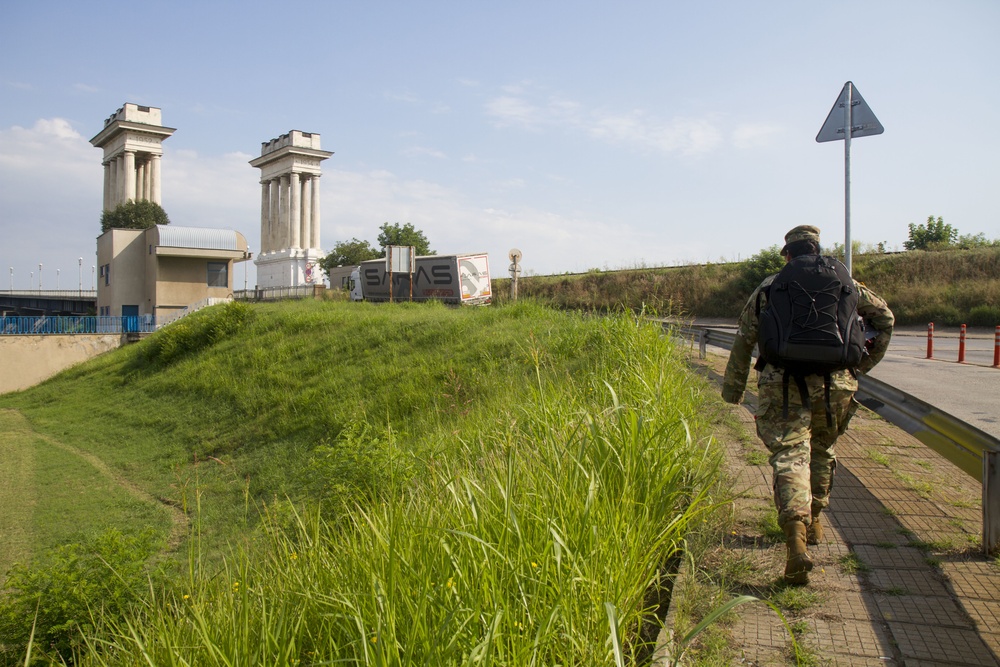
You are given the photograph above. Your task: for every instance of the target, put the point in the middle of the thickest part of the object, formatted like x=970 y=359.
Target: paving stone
x=847 y=638
x=918 y=609
x=849 y=604
x=867 y=505
x=898 y=558
x=943 y=524
x=857 y=535
x=992 y=640
x=910 y=507
x=858 y=520
x=908 y=582
x=951 y=646
x=977 y=580
x=984 y=613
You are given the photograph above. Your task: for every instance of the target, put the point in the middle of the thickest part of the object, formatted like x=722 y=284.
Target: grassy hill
x=949 y=287
x=323 y=481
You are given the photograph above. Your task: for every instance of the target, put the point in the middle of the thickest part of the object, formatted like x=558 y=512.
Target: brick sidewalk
x=900 y=578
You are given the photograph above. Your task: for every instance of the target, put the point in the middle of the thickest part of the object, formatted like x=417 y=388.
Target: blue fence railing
x=92 y=324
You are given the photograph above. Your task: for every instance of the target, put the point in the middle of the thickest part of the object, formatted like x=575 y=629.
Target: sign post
x=400 y=258
x=515 y=271
x=856 y=120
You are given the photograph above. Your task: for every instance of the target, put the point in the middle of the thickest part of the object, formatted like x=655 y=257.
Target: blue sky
x=591 y=135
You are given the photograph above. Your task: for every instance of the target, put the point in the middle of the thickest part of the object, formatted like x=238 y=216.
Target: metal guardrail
x=89 y=324
x=278 y=293
x=972 y=450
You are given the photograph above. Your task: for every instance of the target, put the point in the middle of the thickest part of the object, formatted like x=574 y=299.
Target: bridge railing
x=972 y=450
x=278 y=293
x=86 y=324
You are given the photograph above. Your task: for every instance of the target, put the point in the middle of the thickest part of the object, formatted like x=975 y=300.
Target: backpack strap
x=800 y=382
x=826 y=398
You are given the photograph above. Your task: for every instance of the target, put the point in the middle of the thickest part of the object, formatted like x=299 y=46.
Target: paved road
x=969 y=391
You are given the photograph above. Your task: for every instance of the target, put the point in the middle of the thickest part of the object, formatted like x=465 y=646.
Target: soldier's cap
x=800 y=233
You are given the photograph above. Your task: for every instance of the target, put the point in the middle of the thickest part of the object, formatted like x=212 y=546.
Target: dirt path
x=16 y=494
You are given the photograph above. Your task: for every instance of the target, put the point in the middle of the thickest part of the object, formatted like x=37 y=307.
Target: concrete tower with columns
x=289 y=210
x=132 y=140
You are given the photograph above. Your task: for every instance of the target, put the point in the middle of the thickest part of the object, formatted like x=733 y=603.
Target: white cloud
x=509 y=110
x=754 y=136
x=636 y=129
x=85 y=88
x=418 y=151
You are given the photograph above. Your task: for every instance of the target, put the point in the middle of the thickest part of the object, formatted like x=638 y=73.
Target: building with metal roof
x=165 y=270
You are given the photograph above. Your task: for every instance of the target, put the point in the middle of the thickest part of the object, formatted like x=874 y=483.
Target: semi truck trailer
x=455 y=279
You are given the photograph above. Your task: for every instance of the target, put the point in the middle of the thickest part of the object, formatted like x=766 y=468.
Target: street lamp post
x=39 y=276
x=12 y=279
x=31 y=279
x=81 y=275
x=93 y=279
x=57 y=279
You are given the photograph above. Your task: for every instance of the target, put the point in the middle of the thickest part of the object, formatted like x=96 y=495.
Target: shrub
x=68 y=588
x=195 y=333
x=984 y=316
x=760 y=266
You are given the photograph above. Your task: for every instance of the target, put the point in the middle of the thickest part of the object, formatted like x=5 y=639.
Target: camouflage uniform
x=801 y=446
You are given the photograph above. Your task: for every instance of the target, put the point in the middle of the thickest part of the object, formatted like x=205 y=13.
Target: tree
x=348 y=253
x=935 y=235
x=141 y=214
x=760 y=266
x=396 y=234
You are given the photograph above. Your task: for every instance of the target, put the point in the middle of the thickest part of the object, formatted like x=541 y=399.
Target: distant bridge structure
x=48 y=302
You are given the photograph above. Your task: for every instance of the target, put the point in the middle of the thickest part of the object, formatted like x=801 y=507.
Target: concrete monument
x=132 y=140
x=290 y=210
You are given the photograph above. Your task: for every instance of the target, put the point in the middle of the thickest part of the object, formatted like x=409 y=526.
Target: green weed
x=852 y=564
x=795 y=598
x=879 y=457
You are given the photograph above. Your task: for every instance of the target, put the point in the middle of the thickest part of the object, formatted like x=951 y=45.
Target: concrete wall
x=27 y=360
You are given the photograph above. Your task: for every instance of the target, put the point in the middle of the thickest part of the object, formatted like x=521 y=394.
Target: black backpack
x=810 y=324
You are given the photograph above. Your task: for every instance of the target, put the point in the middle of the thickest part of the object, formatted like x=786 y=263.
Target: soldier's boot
x=814 y=533
x=799 y=564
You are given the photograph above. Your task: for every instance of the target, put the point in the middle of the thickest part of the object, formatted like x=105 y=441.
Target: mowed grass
x=50 y=495
x=394 y=484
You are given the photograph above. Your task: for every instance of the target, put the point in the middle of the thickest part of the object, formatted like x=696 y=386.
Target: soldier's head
x=801 y=240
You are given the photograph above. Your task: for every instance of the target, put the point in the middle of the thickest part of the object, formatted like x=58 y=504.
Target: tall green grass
x=437 y=486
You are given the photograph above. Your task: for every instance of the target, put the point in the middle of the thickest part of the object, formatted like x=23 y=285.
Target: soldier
x=799 y=428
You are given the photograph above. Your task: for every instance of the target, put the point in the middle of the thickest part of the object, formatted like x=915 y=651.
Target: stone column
x=272 y=234
x=129 y=175
x=305 y=229
x=113 y=184
x=119 y=179
x=265 y=214
x=154 y=179
x=107 y=186
x=283 y=231
x=294 y=209
x=140 y=180
x=147 y=178
x=315 y=241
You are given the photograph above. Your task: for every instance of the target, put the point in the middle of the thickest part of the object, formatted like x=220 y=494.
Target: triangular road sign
x=863 y=120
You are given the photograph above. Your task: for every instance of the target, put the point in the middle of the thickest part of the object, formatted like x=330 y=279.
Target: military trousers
x=801 y=445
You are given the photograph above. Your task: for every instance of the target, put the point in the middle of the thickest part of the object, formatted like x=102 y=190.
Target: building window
x=106 y=273
x=218 y=274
